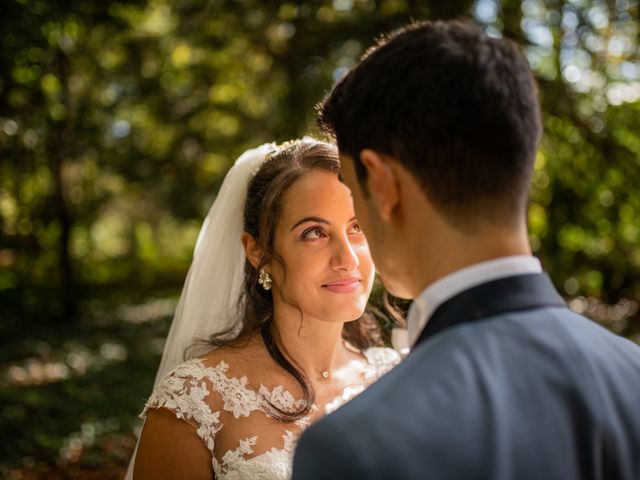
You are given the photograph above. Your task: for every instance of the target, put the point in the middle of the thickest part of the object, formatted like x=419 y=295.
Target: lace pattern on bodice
x=187 y=392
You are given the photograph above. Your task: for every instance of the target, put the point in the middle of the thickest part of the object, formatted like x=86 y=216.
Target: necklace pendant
x=325 y=374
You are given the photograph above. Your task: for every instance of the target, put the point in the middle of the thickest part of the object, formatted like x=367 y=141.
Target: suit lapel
x=520 y=292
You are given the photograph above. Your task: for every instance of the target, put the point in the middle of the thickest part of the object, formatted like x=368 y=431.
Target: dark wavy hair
x=262 y=211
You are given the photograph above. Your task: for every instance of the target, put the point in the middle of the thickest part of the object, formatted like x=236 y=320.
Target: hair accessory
x=274 y=148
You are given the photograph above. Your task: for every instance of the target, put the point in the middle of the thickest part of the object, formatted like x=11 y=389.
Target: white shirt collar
x=450 y=285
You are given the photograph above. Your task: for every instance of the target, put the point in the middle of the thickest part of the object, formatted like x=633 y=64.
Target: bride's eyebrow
x=318 y=220
x=311 y=219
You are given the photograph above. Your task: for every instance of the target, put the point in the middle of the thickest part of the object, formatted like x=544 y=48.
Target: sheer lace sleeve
x=381 y=361
x=186 y=392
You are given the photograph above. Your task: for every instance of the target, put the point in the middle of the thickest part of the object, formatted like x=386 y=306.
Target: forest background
x=118 y=121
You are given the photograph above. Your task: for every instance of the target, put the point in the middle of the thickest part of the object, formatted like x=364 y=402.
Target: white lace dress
x=211 y=399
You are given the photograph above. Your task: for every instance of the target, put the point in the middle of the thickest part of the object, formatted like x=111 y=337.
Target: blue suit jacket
x=505 y=382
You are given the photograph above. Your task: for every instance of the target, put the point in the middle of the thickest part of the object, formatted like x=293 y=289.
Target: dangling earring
x=264 y=279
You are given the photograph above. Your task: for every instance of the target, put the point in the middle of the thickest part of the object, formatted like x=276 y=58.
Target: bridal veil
x=209 y=299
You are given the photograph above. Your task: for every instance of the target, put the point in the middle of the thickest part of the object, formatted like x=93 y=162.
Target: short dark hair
x=457 y=108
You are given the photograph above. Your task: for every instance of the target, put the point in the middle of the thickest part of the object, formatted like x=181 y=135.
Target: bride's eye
x=355 y=228
x=315 y=233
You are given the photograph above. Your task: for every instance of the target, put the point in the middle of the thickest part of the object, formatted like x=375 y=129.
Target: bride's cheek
x=367 y=269
x=365 y=254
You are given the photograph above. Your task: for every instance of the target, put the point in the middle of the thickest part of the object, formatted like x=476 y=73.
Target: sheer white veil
x=209 y=299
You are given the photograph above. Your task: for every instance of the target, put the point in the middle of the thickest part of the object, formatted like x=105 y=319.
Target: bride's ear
x=252 y=249
x=382 y=182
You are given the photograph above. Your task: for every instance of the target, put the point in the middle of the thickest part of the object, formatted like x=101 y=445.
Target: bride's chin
x=355 y=312
x=344 y=314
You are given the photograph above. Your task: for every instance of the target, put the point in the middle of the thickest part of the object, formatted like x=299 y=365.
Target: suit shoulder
x=329 y=449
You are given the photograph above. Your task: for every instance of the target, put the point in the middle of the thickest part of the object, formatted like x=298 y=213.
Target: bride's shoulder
x=382 y=359
x=194 y=381
x=215 y=365
x=236 y=360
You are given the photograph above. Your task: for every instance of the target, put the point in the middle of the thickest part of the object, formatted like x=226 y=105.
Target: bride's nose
x=344 y=256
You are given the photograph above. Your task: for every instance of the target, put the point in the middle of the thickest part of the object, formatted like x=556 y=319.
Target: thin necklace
x=348 y=346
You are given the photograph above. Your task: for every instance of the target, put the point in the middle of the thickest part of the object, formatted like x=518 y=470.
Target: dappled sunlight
x=120 y=120
x=614 y=317
x=73 y=361
x=76 y=443
x=150 y=311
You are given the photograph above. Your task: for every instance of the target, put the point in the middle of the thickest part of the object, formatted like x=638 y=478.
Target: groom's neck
x=420 y=243
x=438 y=252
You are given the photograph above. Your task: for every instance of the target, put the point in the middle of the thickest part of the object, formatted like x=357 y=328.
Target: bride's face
x=329 y=270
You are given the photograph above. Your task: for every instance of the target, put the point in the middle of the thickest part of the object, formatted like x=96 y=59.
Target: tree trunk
x=61 y=137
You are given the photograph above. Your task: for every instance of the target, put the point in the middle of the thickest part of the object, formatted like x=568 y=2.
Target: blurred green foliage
x=118 y=121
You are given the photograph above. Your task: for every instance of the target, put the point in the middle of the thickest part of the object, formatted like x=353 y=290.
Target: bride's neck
x=314 y=345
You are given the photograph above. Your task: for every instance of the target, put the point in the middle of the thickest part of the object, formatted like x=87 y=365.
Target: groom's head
x=447 y=107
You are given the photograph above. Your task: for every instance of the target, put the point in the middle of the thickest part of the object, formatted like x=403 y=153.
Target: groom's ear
x=252 y=249
x=382 y=182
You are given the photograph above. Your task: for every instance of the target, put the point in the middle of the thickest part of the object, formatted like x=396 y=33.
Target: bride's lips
x=345 y=285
